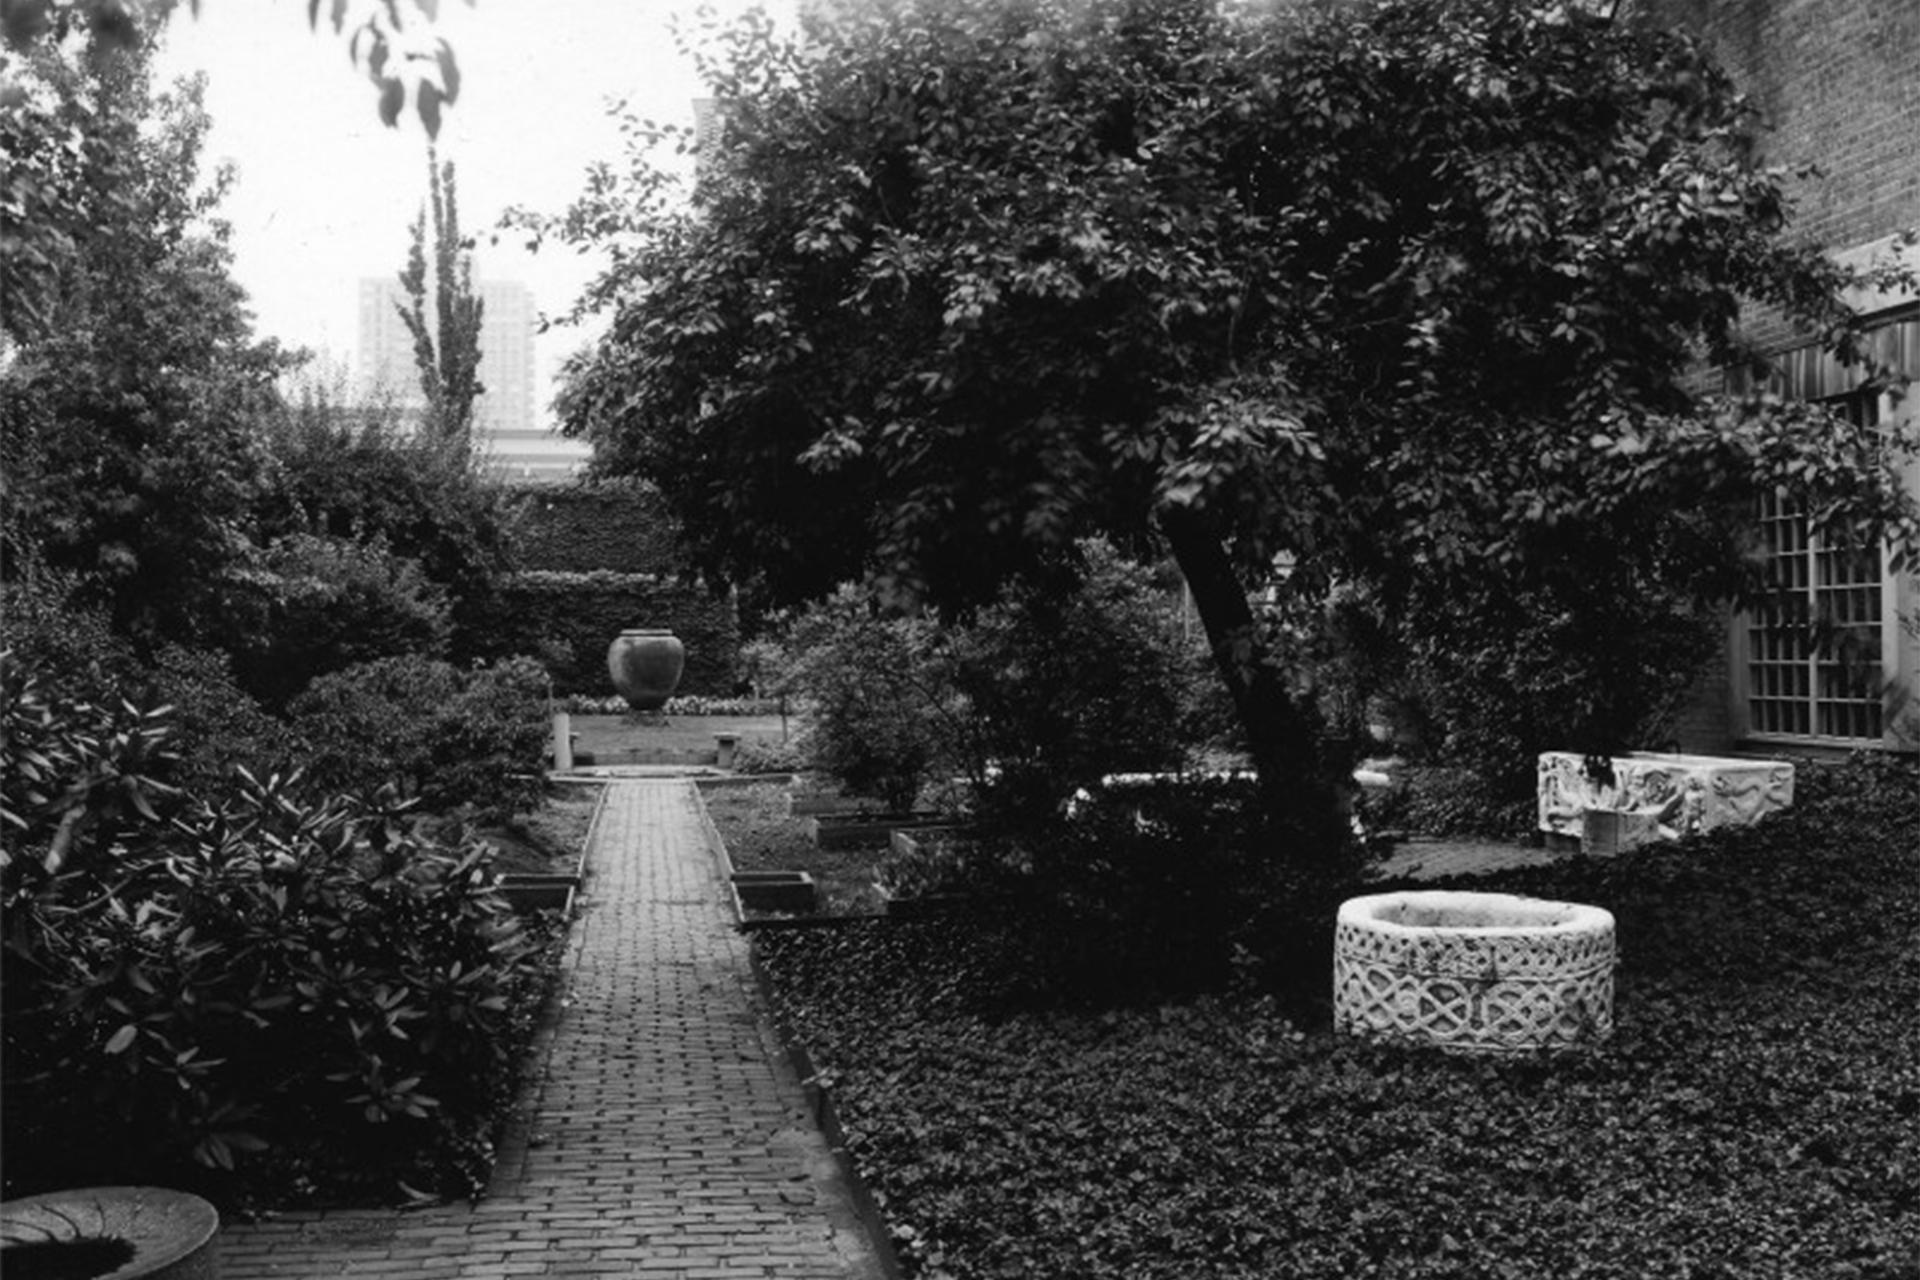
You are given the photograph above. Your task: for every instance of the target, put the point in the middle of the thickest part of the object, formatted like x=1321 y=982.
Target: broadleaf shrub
x=357 y=475
x=72 y=652
x=77 y=770
x=1596 y=661
x=881 y=709
x=1054 y=684
x=452 y=738
x=1067 y=682
x=47 y=629
x=216 y=724
x=247 y=991
x=329 y=604
x=763 y=753
x=1180 y=884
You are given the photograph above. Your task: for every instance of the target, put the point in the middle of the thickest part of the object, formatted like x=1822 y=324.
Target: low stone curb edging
x=820 y=1104
x=819 y=1098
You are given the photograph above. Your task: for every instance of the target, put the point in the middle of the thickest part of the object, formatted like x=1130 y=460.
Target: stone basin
x=1473 y=972
x=109 y=1233
x=1659 y=795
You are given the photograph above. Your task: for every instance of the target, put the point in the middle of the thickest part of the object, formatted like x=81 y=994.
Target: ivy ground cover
x=1757 y=1113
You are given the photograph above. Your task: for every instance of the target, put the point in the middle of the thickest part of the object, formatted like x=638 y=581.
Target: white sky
x=326 y=194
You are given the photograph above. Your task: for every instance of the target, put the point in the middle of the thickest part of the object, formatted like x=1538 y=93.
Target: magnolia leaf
x=213 y=1150
x=427 y=99
x=449 y=72
x=393 y=96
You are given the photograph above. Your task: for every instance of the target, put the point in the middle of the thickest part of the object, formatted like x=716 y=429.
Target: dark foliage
x=73 y=652
x=623 y=526
x=326 y=604
x=217 y=726
x=1057 y=682
x=1447 y=800
x=1753 y=1116
x=883 y=713
x=353 y=475
x=1157 y=889
x=1597 y=659
x=69 y=643
x=449 y=738
x=1070 y=679
x=569 y=619
x=240 y=991
x=127 y=410
x=1392 y=293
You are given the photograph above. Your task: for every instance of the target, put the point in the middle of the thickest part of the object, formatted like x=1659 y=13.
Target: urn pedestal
x=645 y=664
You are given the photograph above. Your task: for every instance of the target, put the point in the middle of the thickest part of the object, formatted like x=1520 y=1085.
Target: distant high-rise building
x=388 y=368
x=505 y=431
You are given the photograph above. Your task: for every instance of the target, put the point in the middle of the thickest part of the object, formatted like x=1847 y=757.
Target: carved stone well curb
x=117 y=1232
x=1473 y=972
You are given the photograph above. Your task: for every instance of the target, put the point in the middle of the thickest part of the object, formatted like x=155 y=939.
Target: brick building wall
x=1837 y=86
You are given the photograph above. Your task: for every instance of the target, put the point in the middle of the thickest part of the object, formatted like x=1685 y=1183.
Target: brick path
x=670 y=1136
x=1422 y=858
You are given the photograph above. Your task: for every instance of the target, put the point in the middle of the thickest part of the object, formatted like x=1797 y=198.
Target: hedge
x=569 y=619
x=580 y=528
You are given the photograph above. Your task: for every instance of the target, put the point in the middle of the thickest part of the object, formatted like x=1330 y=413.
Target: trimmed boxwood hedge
x=1757 y=1113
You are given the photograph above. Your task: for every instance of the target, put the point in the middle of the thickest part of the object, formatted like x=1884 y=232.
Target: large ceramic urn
x=645 y=665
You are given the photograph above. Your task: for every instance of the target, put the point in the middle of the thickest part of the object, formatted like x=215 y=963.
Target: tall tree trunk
x=1304 y=781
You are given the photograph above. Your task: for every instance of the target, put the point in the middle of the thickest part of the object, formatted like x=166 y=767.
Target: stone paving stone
x=1431 y=859
x=670 y=1137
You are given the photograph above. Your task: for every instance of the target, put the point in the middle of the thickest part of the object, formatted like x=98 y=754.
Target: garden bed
x=550 y=841
x=665 y=739
x=1756 y=1114
x=541 y=857
x=875 y=830
x=762 y=834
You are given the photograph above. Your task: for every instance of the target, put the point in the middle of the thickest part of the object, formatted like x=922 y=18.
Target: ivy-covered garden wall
x=597 y=559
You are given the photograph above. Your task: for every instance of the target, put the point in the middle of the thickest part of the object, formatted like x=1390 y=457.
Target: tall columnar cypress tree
x=447 y=353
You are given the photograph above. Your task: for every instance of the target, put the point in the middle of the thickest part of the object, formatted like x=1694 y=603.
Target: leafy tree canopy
x=59 y=163
x=127 y=409
x=383 y=37
x=1388 y=289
